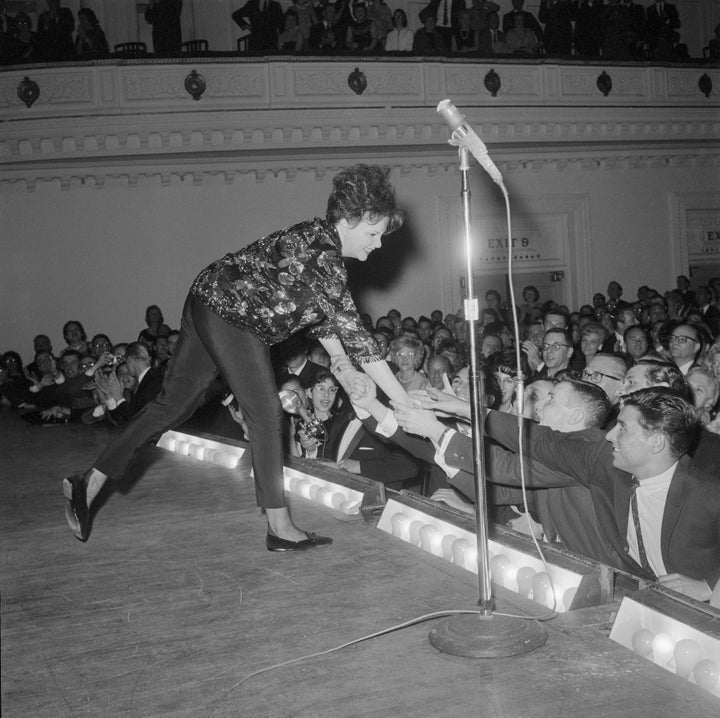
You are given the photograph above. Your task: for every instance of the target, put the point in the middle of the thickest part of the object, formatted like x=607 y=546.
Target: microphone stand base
x=471 y=635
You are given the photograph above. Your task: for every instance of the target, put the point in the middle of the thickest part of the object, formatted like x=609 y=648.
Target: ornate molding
x=198 y=171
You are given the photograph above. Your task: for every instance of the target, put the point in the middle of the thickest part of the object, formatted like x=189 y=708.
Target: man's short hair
x=137 y=350
x=564 y=332
x=663 y=410
x=662 y=372
x=593 y=398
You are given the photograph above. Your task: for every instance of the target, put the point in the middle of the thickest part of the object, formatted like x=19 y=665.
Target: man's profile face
x=554 y=413
x=630 y=441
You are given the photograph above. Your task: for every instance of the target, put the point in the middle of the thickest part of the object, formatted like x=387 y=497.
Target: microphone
x=464 y=135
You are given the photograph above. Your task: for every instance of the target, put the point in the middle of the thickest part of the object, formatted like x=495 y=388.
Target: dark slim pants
x=208 y=345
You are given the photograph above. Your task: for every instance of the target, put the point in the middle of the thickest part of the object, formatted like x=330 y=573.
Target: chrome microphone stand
x=481 y=633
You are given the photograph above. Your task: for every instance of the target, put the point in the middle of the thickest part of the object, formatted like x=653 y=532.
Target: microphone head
x=450 y=114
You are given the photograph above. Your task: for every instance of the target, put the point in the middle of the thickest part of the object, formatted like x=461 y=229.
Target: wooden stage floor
x=174 y=600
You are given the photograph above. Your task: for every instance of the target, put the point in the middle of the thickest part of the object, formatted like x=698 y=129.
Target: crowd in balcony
x=619 y=30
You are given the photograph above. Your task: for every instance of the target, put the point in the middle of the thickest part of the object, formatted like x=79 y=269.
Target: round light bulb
x=686 y=654
x=524 y=579
x=460 y=549
x=499 y=564
x=540 y=588
x=446 y=546
x=707 y=674
x=399 y=523
x=338 y=499
x=430 y=539
x=415 y=527
x=642 y=641
x=314 y=490
x=199 y=451
x=662 y=649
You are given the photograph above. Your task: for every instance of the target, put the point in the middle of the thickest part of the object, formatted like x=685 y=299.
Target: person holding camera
x=148 y=381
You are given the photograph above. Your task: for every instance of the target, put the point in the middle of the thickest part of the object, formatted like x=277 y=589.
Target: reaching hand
x=452 y=498
x=446 y=404
x=362 y=391
x=418 y=421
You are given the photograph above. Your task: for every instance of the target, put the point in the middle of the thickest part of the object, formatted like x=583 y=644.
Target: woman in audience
x=291 y=39
x=705 y=390
x=400 y=38
x=75 y=337
x=322 y=398
x=408 y=354
x=90 y=41
x=155 y=326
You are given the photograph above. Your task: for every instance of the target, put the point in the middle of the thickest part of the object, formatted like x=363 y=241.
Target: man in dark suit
x=558 y=16
x=149 y=383
x=264 y=19
x=164 y=16
x=325 y=36
x=54 y=36
x=446 y=14
x=710 y=313
x=293 y=361
x=678 y=504
x=661 y=30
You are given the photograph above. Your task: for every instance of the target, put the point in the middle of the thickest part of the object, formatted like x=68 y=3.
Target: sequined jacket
x=289 y=280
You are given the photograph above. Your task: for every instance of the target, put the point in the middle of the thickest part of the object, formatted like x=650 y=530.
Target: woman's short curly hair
x=363 y=190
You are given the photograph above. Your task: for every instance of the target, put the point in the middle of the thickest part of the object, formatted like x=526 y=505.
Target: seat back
x=131 y=49
x=195 y=46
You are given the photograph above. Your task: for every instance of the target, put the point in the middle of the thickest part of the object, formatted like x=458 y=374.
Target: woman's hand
x=452 y=498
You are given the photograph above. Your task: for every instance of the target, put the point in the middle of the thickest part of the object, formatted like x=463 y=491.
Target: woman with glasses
x=408 y=354
x=400 y=38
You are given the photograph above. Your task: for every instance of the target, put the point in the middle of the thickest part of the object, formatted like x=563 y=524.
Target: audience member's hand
x=351 y=465
x=343 y=371
x=362 y=391
x=697 y=589
x=418 y=421
x=532 y=353
x=110 y=385
x=55 y=412
x=452 y=498
x=307 y=442
x=446 y=404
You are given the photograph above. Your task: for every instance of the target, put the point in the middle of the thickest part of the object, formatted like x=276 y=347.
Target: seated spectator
x=557 y=16
x=172 y=340
x=291 y=39
x=454 y=352
x=48 y=373
x=292 y=359
x=592 y=338
x=22 y=42
x=608 y=372
x=90 y=40
x=623 y=318
x=439 y=371
x=326 y=37
x=408 y=353
x=66 y=400
x=41 y=343
x=381 y=16
x=465 y=38
x=55 y=33
x=614 y=292
x=709 y=312
x=14 y=384
x=155 y=326
x=161 y=355
x=306 y=17
x=75 y=337
x=490 y=345
x=685 y=343
x=361 y=35
x=428 y=40
x=637 y=342
x=704 y=390
x=528 y=19
x=149 y=382
x=557 y=350
x=400 y=38
x=264 y=22
x=99 y=345
x=504 y=369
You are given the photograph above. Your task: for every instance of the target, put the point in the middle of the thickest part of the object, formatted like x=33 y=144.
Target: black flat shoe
x=77 y=512
x=275 y=543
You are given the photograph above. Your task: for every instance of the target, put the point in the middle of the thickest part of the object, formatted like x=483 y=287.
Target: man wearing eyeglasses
x=606 y=371
x=557 y=349
x=685 y=345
